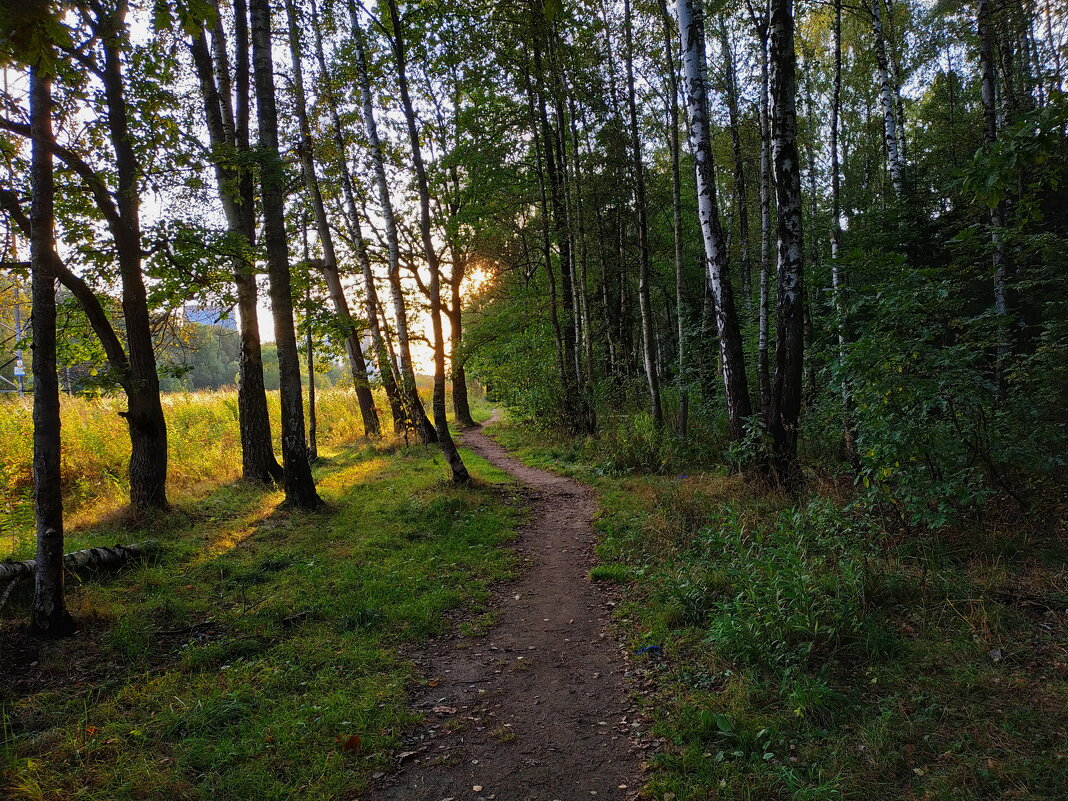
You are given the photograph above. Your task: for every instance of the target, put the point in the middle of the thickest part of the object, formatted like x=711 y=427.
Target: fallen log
x=90 y=558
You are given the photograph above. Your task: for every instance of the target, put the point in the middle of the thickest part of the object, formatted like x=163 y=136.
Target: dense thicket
x=823 y=237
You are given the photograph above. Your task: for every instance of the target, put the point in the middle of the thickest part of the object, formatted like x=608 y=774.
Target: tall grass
x=204 y=451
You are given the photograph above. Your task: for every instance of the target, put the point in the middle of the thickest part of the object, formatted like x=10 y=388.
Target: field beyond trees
x=205 y=454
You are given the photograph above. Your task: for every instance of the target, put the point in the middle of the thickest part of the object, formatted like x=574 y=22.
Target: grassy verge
x=805 y=654
x=260 y=656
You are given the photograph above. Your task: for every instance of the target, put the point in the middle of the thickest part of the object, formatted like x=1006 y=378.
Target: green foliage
x=807 y=655
x=798 y=591
x=616 y=574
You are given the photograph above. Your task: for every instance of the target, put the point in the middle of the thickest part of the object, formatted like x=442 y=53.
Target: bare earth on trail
x=535 y=710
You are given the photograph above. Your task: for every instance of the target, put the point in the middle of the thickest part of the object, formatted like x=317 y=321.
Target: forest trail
x=535 y=710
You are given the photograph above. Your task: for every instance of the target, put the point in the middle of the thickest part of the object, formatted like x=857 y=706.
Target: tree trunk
x=576 y=411
x=838 y=277
x=764 y=303
x=299 y=484
x=415 y=411
x=90 y=558
x=546 y=236
x=644 y=302
x=895 y=161
x=329 y=264
x=581 y=281
x=741 y=199
x=676 y=216
x=461 y=408
x=309 y=349
x=144 y=415
x=732 y=358
x=989 y=94
x=225 y=128
x=48 y=613
x=441 y=423
x=789 y=340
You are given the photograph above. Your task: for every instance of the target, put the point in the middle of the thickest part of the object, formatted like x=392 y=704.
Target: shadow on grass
x=234 y=663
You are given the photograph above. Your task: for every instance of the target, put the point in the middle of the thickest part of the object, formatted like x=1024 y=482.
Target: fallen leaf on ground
x=445 y=710
x=352 y=744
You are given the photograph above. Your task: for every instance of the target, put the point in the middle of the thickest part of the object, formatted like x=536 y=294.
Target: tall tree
x=644 y=303
x=329 y=264
x=989 y=95
x=764 y=291
x=48 y=613
x=789 y=334
x=226 y=113
x=144 y=415
x=441 y=423
x=355 y=229
x=740 y=197
x=892 y=138
x=416 y=413
x=298 y=482
x=732 y=359
x=674 y=146
x=838 y=278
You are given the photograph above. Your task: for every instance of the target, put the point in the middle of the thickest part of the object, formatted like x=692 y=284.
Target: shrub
x=799 y=590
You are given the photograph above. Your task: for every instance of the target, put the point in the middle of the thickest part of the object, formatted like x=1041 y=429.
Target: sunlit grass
x=239 y=663
x=204 y=452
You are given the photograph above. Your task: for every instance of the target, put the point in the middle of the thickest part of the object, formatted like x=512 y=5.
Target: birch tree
x=644 y=303
x=328 y=266
x=133 y=362
x=895 y=159
x=415 y=412
x=674 y=147
x=353 y=220
x=789 y=334
x=48 y=612
x=838 y=278
x=226 y=104
x=732 y=360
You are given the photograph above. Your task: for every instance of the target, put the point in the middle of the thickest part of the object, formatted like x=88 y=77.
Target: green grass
x=204 y=452
x=261 y=641
x=808 y=655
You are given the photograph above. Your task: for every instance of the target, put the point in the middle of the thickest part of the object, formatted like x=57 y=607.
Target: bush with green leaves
x=797 y=594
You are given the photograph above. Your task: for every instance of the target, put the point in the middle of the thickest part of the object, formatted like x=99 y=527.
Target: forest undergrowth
x=807 y=648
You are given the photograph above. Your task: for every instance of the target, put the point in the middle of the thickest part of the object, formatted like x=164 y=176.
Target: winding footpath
x=537 y=708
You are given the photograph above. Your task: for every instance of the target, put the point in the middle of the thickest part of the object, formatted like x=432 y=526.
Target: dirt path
x=536 y=710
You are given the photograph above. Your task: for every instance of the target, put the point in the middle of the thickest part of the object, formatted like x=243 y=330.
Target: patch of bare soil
x=537 y=709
